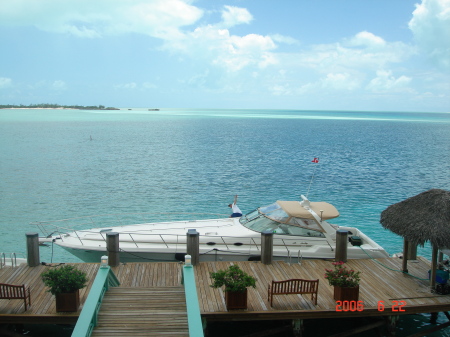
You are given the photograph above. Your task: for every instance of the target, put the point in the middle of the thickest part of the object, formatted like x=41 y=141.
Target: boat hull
x=223 y=239
x=94 y=255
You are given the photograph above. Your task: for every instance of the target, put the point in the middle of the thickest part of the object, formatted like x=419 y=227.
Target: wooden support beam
x=392 y=324
x=405 y=255
x=298 y=327
x=434 y=257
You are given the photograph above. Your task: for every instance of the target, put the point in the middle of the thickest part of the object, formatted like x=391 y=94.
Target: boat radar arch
x=305 y=202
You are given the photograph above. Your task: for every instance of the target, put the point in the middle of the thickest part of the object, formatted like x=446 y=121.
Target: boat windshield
x=274 y=219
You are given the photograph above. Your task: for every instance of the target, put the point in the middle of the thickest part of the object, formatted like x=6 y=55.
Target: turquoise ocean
x=59 y=164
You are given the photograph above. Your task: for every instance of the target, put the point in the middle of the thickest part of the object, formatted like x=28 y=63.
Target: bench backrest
x=295 y=286
x=12 y=291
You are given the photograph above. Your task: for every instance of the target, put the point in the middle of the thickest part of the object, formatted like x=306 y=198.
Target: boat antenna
x=316 y=162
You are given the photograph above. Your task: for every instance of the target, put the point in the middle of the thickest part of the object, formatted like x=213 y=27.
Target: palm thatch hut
x=424 y=217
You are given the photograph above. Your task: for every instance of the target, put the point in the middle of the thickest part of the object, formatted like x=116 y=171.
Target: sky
x=383 y=55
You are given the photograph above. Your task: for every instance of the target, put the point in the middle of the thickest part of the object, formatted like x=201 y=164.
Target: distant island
x=56 y=106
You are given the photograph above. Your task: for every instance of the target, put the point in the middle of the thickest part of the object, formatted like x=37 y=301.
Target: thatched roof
x=424 y=217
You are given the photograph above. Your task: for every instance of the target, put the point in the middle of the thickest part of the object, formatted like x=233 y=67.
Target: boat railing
x=120 y=219
x=129 y=240
x=230 y=244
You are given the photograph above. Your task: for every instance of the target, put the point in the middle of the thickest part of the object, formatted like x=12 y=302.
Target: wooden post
x=412 y=251
x=193 y=249
x=298 y=328
x=433 y=273
x=112 y=248
x=33 y=249
x=391 y=324
x=405 y=255
x=266 y=247
x=341 y=245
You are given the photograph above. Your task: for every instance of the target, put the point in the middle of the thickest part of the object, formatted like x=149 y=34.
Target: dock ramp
x=138 y=311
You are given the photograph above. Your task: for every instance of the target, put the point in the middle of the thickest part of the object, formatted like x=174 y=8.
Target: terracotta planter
x=68 y=301
x=236 y=300
x=346 y=294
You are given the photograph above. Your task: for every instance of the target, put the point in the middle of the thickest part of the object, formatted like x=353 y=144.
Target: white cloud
x=367 y=39
x=5 y=82
x=59 y=85
x=340 y=82
x=385 y=81
x=127 y=86
x=283 y=39
x=217 y=46
x=361 y=53
x=149 y=85
x=430 y=25
x=162 y=19
x=89 y=19
x=233 y=16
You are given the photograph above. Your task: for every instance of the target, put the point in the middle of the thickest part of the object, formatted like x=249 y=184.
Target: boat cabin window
x=274 y=219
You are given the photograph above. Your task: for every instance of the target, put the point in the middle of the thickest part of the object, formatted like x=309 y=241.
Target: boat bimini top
x=303 y=218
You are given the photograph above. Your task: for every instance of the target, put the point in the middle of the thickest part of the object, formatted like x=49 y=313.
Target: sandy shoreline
x=38 y=109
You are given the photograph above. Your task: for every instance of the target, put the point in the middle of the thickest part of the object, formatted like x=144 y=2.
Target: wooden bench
x=14 y=292
x=293 y=286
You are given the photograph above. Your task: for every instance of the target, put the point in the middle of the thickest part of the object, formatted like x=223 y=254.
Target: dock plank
x=143 y=311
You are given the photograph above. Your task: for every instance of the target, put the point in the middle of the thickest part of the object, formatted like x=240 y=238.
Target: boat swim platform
x=379 y=282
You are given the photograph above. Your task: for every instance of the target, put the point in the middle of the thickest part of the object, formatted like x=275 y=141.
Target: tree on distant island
x=55 y=106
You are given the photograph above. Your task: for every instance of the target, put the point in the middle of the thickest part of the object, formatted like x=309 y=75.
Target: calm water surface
x=58 y=164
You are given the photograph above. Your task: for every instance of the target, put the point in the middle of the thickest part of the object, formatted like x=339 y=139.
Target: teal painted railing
x=88 y=317
x=193 y=308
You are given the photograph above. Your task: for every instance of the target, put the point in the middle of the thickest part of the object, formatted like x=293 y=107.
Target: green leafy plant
x=233 y=278
x=64 y=279
x=341 y=276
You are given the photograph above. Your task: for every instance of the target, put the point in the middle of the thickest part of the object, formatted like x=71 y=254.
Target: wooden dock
x=43 y=307
x=400 y=294
x=379 y=282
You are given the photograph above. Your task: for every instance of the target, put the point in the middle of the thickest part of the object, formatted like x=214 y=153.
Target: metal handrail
x=87 y=321
x=13 y=258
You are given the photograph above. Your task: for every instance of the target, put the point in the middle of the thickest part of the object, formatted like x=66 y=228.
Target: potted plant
x=65 y=283
x=345 y=282
x=236 y=282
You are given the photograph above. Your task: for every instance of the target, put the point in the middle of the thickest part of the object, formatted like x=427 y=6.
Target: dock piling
x=341 y=245
x=33 y=249
x=192 y=242
x=266 y=247
x=112 y=247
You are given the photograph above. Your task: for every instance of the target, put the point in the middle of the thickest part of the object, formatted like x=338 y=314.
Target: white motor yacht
x=300 y=231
